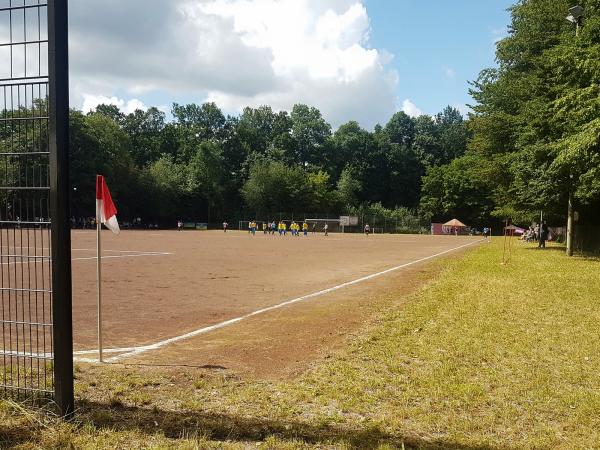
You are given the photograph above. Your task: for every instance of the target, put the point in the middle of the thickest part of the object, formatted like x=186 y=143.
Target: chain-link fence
x=377 y=223
x=35 y=263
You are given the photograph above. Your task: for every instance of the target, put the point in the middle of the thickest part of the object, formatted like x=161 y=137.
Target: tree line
x=535 y=126
x=531 y=140
x=203 y=165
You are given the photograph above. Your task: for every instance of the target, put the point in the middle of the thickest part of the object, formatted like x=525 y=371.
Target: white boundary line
x=146 y=348
x=88 y=258
x=112 y=251
x=123 y=256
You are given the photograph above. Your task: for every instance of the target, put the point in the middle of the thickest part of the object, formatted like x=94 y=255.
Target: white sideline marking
x=146 y=348
x=112 y=251
x=106 y=350
x=88 y=257
x=123 y=256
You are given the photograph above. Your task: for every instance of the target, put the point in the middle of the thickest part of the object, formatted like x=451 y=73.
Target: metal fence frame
x=35 y=246
x=379 y=224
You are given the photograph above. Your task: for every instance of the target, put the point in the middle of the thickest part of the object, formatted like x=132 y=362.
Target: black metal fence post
x=35 y=276
x=58 y=65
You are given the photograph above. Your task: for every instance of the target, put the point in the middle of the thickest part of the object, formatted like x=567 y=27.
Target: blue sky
x=353 y=59
x=438 y=45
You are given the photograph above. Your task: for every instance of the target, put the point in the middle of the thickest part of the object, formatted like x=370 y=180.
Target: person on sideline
x=543 y=235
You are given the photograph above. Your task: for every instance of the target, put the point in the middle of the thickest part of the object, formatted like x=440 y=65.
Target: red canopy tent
x=515 y=229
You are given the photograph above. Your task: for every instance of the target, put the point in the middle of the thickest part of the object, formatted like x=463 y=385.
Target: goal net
x=245 y=225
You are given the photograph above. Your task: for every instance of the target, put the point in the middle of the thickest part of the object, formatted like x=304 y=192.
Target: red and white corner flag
x=106 y=212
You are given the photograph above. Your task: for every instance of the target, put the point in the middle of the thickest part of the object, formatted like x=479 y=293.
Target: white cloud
x=411 y=109
x=235 y=52
x=90 y=102
x=449 y=71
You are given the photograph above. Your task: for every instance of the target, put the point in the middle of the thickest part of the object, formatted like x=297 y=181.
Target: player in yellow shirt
x=305 y=228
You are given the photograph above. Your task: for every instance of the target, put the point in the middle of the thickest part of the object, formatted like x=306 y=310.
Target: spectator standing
x=543 y=235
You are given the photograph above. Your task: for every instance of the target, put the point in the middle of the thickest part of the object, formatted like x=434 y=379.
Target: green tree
x=320 y=196
x=272 y=187
x=348 y=189
x=536 y=116
x=461 y=189
x=205 y=176
x=99 y=146
x=401 y=129
x=145 y=129
x=168 y=183
x=310 y=132
x=452 y=134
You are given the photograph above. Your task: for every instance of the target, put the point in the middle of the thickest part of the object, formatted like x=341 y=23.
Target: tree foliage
x=203 y=165
x=536 y=122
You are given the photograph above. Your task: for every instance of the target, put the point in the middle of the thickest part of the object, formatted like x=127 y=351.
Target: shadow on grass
x=562 y=249
x=553 y=248
x=222 y=427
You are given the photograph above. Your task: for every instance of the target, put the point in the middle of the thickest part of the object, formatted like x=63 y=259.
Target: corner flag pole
x=99 y=279
x=106 y=213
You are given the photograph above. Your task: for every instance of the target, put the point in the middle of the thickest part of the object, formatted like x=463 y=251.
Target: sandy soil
x=166 y=283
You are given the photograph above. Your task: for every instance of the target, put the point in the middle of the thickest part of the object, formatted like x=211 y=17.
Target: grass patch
x=484 y=356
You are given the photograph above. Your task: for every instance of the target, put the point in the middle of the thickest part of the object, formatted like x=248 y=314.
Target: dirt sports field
x=161 y=285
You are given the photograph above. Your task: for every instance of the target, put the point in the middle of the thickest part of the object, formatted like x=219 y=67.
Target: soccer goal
x=244 y=225
x=334 y=225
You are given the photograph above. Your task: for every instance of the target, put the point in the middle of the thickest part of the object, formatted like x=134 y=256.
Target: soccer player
x=305 y=228
x=264 y=227
x=326 y=229
x=179 y=225
x=225 y=225
x=314 y=228
x=367 y=229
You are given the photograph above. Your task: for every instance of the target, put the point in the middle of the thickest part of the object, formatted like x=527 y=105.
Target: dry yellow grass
x=485 y=356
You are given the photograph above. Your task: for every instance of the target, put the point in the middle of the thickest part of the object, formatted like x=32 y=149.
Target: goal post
x=348 y=221
x=244 y=225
